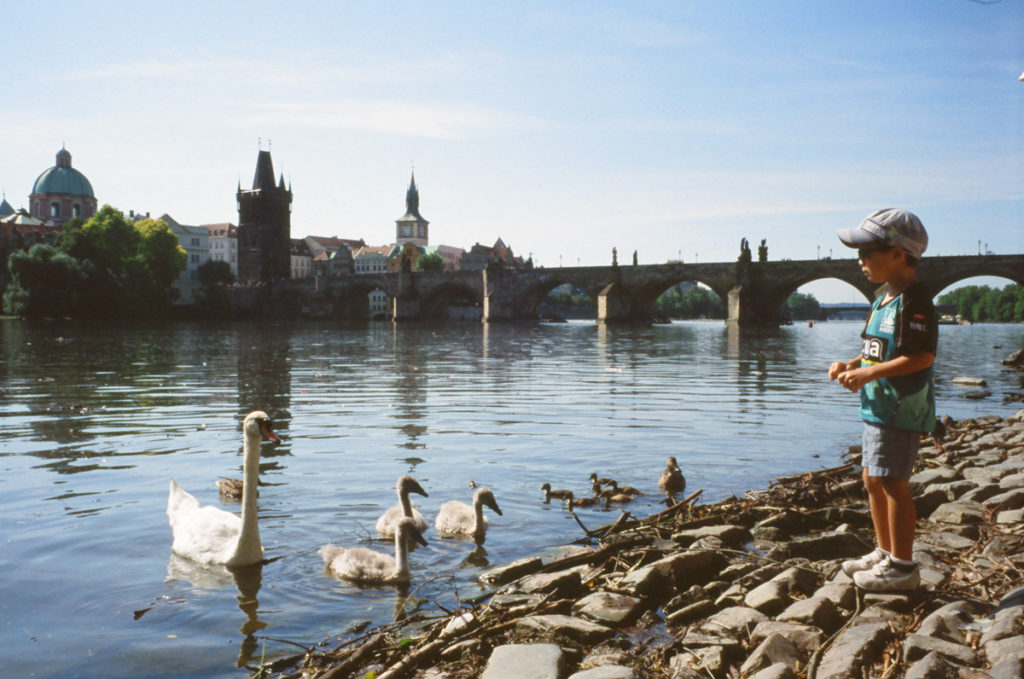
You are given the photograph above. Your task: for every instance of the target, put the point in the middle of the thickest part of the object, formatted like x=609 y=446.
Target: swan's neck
x=249 y=538
x=401 y=554
x=403 y=499
x=478 y=516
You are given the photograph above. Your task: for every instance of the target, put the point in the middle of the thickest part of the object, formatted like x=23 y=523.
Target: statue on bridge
x=634 y=257
x=745 y=256
x=762 y=250
x=615 y=257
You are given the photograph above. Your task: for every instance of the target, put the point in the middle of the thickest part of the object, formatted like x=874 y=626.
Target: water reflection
x=247 y=581
x=264 y=373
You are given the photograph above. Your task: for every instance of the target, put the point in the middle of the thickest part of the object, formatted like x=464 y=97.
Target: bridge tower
x=412 y=227
x=264 y=226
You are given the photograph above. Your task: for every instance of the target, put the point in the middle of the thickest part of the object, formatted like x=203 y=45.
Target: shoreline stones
x=752 y=588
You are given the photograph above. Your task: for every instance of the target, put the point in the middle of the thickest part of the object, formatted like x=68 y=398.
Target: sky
x=673 y=129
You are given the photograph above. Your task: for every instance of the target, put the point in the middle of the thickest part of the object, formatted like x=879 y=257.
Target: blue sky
x=567 y=129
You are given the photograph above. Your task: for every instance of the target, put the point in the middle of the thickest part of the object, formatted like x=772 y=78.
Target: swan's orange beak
x=268 y=433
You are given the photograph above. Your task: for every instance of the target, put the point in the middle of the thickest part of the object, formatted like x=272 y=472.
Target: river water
x=95 y=421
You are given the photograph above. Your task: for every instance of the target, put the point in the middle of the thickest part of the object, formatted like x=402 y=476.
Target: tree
x=44 y=282
x=430 y=262
x=114 y=268
x=980 y=303
x=802 y=307
x=213 y=276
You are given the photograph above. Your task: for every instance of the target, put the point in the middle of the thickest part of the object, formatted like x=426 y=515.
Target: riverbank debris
x=746 y=587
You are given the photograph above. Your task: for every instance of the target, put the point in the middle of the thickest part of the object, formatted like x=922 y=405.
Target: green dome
x=62 y=178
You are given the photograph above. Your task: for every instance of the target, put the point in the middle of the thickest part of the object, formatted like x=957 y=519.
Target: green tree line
x=981 y=304
x=103 y=268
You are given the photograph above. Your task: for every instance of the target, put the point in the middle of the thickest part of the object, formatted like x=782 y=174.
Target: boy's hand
x=855 y=379
x=836 y=369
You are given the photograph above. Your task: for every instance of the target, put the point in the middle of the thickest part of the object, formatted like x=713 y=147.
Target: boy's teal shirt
x=904 y=325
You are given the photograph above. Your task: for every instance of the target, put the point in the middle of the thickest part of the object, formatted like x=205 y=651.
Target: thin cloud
x=433 y=121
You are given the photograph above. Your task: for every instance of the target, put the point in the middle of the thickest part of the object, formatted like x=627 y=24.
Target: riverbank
x=746 y=587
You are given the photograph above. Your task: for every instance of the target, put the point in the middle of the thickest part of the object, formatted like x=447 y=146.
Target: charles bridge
x=754 y=291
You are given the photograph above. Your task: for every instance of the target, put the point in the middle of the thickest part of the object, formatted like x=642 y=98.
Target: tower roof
x=264 y=177
x=5 y=207
x=412 y=203
x=62 y=178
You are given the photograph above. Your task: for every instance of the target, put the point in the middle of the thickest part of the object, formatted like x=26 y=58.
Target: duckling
x=571 y=501
x=621 y=498
x=230 y=488
x=628 y=490
x=600 y=481
x=557 y=493
x=671 y=480
x=388 y=521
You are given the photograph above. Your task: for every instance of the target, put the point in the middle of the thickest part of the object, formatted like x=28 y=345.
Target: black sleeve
x=918 y=329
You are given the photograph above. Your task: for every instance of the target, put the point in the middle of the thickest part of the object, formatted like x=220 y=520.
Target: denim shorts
x=889 y=452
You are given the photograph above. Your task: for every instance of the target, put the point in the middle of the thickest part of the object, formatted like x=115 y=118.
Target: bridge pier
x=500 y=298
x=614 y=305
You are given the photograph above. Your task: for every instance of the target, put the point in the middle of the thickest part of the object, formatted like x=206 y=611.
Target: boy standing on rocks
x=897 y=392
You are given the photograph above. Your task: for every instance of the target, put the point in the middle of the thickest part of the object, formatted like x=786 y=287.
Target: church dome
x=63 y=179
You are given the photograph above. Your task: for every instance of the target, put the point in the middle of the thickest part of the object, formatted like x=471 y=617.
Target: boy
x=897 y=392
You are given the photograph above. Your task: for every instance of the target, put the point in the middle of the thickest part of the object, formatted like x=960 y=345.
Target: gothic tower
x=264 y=226
x=411 y=227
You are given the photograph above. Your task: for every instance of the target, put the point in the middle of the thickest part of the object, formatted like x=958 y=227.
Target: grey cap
x=892 y=226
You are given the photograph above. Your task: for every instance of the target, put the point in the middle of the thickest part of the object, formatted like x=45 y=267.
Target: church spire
x=412 y=198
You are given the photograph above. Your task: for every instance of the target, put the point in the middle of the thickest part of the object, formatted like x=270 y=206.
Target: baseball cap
x=892 y=226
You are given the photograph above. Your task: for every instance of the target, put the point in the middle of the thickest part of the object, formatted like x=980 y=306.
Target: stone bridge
x=753 y=291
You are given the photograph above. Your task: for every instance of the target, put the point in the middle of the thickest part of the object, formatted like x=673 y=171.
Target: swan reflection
x=246 y=579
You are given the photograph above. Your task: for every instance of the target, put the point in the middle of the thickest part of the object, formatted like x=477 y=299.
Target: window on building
x=55 y=209
x=406 y=231
x=195 y=259
x=76 y=210
x=195 y=242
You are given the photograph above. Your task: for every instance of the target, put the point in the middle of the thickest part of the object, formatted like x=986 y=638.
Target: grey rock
x=816 y=611
x=732 y=596
x=934 y=475
x=983 y=476
x=857 y=647
x=694 y=611
x=511 y=571
x=804 y=637
x=1001 y=629
x=733 y=536
x=948 y=541
x=954 y=488
x=958 y=512
x=605 y=672
x=916 y=646
x=838 y=593
x=565 y=582
x=737 y=619
x=770 y=597
x=1009 y=668
x=1012 y=481
x=825 y=546
x=514 y=661
x=1004 y=649
x=577 y=629
x=694 y=664
x=982 y=492
x=774 y=649
x=776 y=671
x=1010 y=499
x=892 y=601
x=939 y=628
x=931 y=666
x=1013 y=516
x=681 y=570
x=798 y=579
x=608 y=608
x=690 y=596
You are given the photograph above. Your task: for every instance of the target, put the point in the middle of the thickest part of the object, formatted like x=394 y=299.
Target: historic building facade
x=61 y=193
x=264 y=226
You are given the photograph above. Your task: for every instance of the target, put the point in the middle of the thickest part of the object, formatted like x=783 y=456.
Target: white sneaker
x=885 y=576
x=864 y=563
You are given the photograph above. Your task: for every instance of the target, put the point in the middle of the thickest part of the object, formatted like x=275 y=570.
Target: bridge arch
x=435 y=301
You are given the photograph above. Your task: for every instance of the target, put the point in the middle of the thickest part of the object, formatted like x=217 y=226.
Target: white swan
x=671 y=480
x=388 y=521
x=212 y=535
x=363 y=565
x=457 y=519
